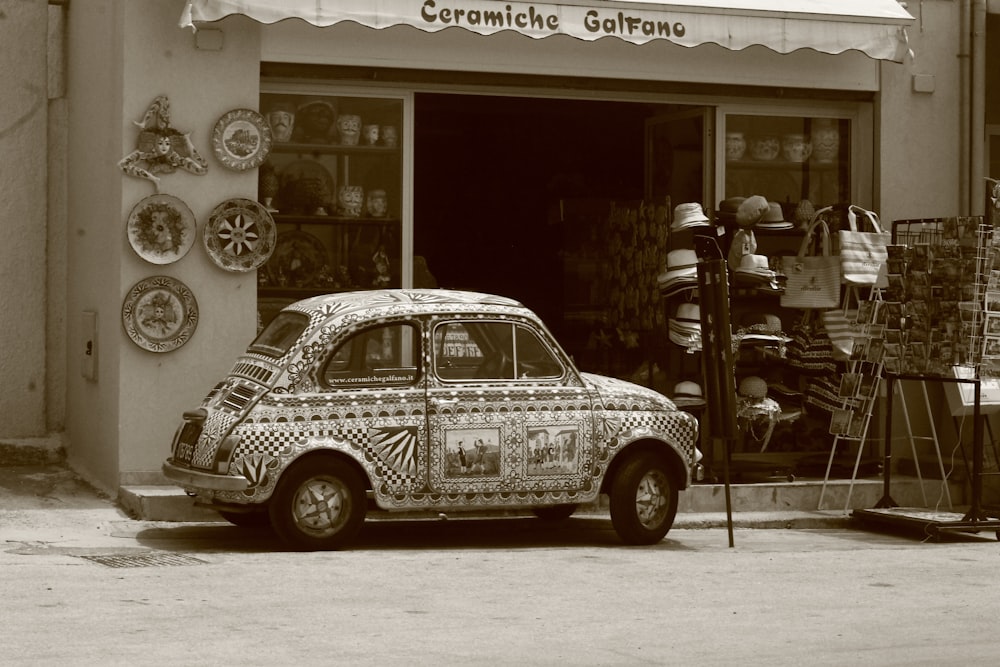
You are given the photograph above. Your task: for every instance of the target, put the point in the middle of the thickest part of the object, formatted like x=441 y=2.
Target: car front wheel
x=318 y=505
x=643 y=501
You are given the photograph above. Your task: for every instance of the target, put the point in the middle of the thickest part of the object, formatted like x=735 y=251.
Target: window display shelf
x=333 y=181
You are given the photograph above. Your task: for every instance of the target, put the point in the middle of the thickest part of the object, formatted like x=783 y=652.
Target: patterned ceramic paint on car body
x=425 y=442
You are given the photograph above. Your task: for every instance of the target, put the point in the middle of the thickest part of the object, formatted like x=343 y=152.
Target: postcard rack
x=942 y=273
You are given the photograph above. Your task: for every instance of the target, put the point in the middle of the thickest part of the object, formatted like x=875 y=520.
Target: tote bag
x=863 y=254
x=813 y=280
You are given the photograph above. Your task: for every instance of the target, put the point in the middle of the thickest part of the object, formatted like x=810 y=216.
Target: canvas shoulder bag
x=813 y=280
x=863 y=254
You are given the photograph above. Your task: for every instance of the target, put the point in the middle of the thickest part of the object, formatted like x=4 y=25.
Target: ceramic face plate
x=159 y=314
x=161 y=229
x=240 y=235
x=241 y=139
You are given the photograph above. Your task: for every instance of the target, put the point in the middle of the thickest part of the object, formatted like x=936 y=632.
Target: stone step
x=169 y=503
x=31 y=451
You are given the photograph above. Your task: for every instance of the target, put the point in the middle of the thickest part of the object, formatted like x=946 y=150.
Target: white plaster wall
x=919 y=149
x=23 y=140
x=123 y=54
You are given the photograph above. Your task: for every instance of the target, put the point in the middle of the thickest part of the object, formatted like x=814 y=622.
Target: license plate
x=186 y=442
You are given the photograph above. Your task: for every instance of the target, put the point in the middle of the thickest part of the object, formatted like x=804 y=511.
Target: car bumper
x=187 y=477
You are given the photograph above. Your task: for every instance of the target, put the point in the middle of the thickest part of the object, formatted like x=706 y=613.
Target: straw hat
x=752 y=387
x=754 y=270
x=774 y=218
x=762 y=328
x=684 y=328
x=688 y=394
x=681 y=272
x=688 y=215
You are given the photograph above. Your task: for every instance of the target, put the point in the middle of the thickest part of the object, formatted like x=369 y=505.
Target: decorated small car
x=425 y=400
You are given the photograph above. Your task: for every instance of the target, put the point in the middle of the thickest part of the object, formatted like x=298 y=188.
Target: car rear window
x=280 y=334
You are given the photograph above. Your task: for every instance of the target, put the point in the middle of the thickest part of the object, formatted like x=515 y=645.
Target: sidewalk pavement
x=46 y=492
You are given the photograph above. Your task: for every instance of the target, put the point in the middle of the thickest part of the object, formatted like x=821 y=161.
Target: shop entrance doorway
x=510 y=193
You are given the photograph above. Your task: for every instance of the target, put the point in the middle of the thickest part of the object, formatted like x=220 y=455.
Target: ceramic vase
x=267 y=186
x=765 y=148
x=825 y=140
x=389 y=135
x=795 y=147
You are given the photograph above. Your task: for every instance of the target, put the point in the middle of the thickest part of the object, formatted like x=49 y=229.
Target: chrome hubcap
x=652 y=499
x=321 y=506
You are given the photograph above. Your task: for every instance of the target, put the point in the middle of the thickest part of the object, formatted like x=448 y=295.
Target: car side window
x=456 y=353
x=383 y=356
x=476 y=350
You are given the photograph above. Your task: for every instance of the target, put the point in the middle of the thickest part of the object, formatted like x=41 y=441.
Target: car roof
x=383 y=302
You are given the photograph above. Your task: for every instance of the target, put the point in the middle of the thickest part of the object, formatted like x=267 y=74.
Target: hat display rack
x=678 y=286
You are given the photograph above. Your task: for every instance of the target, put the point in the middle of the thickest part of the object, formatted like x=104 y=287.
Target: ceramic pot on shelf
x=765 y=148
x=825 y=139
x=796 y=147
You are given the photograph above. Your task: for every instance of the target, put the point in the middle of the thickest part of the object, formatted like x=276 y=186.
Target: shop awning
x=874 y=27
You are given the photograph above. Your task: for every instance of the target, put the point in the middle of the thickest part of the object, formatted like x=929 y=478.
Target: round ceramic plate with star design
x=240 y=235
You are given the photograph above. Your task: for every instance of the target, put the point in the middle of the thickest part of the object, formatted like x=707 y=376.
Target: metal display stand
x=933 y=522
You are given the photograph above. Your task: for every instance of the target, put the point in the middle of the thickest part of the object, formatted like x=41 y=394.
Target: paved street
x=83 y=584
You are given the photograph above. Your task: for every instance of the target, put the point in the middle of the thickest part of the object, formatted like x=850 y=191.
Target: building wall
x=23 y=215
x=123 y=54
x=919 y=142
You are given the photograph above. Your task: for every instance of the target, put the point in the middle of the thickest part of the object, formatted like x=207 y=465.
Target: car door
x=509 y=420
x=375 y=387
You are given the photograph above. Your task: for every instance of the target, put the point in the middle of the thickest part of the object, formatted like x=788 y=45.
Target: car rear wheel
x=318 y=505
x=255 y=519
x=643 y=501
x=554 y=512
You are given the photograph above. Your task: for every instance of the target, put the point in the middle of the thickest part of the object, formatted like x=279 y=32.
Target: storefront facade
x=117 y=404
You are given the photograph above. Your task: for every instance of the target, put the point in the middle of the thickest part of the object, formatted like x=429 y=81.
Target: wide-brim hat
x=688 y=215
x=688 y=394
x=684 y=328
x=774 y=218
x=681 y=272
x=754 y=269
x=761 y=327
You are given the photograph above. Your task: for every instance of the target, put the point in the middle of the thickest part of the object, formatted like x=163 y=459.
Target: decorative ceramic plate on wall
x=241 y=139
x=161 y=229
x=159 y=314
x=239 y=235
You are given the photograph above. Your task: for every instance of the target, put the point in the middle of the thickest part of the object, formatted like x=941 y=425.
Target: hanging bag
x=813 y=280
x=863 y=254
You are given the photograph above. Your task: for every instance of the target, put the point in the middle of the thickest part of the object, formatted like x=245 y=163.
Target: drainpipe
x=977 y=122
x=964 y=107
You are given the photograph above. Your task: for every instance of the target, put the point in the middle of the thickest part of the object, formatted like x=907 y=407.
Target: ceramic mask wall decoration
x=160 y=148
x=377 y=203
x=350 y=200
x=281 y=119
x=349 y=127
x=389 y=135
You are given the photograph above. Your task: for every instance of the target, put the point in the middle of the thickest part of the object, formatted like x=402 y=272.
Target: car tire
x=554 y=512
x=318 y=505
x=255 y=519
x=643 y=500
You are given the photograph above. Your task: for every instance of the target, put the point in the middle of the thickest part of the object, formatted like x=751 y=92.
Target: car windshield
x=279 y=336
